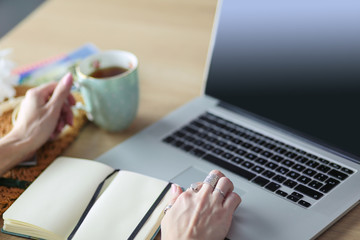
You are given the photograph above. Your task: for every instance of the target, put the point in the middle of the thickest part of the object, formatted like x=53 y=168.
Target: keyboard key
x=211 y=139
x=298 y=167
x=293 y=175
x=337 y=174
x=187 y=148
x=290 y=183
x=287 y=163
x=246 y=145
x=239 y=131
x=321 y=177
x=269 y=138
x=236 y=132
x=315 y=184
x=227 y=137
x=197 y=152
x=237 y=159
x=292 y=198
x=238 y=170
x=300 y=151
x=289 y=147
x=247 y=164
x=177 y=143
x=247 y=136
x=208 y=147
x=256 y=149
x=329 y=185
x=217 y=151
x=304 y=179
x=272 y=186
x=190 y=139
x=260 y=160
x=291 y=155
x=271 y=165
x=253 y=138
x=323 y=161
x=310 y=172
x=256 y=140
x=270 y=146
x=312 y=164
x=230 y=128
x=323 y=168
x=280 y=150
x=250 y=156
x=237 y=141
x=268 y=174
x=220 y=143
x=311 y=156
x=277 y=158
x=260 y=181
x=180 y=134
x=241 y=152
x=227 y=155
x=266 y=154
x=309 y=192
x=198 y=142
x=258 y=169
x=197 y=124
x=281 y=193
x=231 y=148
x=346 y=170
x=301 y=159
x=190 y=130
x=169 y=139
x=279 y=178
x=334 y=165
x=282 y=170
x=304 y=203
x=297 y=195
x=202 y=135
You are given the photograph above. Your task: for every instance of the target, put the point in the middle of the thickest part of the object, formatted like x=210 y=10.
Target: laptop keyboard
x=291 y=173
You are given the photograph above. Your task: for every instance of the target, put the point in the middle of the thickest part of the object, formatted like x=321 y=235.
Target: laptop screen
x=296 y=63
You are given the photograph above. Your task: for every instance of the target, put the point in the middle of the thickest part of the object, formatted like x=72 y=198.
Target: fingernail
x=173 y=188
x=68 y=80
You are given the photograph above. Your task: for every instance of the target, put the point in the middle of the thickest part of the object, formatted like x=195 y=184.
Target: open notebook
x=83 y=199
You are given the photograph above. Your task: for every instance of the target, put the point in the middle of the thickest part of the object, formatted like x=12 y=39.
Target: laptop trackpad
x=192 y=175
x=188 y=176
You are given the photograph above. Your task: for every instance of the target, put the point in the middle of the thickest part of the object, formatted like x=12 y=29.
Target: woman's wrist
x=14 y=148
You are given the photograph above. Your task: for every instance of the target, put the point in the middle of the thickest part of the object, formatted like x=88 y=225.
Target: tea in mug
x=108 y=72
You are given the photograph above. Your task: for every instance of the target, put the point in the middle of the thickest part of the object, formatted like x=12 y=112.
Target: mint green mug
x=111 y=102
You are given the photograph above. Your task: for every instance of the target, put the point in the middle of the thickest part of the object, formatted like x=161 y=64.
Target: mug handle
x=76 y=86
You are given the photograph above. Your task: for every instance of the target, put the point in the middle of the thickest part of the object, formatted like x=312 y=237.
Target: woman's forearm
x=43 y=113
x=13 y=150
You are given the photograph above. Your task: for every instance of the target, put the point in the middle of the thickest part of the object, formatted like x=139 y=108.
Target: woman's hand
x=43 y=113
x=205 y=213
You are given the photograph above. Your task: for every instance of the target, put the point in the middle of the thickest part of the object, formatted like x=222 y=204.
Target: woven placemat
x=45 y=155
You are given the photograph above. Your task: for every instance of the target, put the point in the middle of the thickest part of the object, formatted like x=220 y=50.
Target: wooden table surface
x=170 y=39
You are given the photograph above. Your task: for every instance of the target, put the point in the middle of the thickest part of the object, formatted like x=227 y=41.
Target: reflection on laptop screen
x=293 y=62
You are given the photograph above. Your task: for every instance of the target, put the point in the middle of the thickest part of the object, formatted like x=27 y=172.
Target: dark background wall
x=14 y=11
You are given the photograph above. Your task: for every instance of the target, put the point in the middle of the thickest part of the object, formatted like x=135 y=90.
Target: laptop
x=279 y=116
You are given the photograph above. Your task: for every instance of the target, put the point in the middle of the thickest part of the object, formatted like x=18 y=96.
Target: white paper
x=57 y=199
x=121 y=207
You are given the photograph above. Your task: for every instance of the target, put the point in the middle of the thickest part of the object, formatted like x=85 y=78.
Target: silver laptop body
x=298 y=201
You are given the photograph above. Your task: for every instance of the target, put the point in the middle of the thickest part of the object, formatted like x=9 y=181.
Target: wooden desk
x=169 y=37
